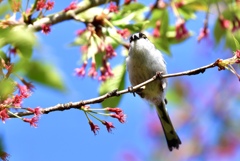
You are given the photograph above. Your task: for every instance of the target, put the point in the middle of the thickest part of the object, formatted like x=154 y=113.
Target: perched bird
x=143 y=62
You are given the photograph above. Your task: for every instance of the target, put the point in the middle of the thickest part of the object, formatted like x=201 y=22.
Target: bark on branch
x=63 y=16
x=114 y=93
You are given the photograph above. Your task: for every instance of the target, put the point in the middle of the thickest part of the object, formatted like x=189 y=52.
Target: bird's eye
x=131 y=39
x=141 y=35
x=137 y=36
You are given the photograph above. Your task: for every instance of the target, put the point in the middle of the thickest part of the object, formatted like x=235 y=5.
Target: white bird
x=143 y=62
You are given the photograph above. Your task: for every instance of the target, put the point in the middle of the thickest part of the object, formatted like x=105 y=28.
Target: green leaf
x=123 y=20
x=20 y=37
x=3 y=55
x=99 y=59
x=79 y=40
x=236 y=43
x=156 y=15
x=127 y=13
x=40 y=72
x=89 y=14
x=112 y=37
x=162 y=44
x=3 y=9
x=219 y=32
x=134 y=27
x=116 y=82
x=196 y=5
x=132 y=7
x=230 y=41
x=7 y=87
x=164 y=23
x=45 y=74
x=187 y=13
x=162 y=16
x=173 y=97
x=177 y=93
x=190 y=7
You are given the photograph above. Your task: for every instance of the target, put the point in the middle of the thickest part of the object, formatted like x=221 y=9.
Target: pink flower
x=224 y=22
x=124 y=33
x=72 y=6
x=24 y=91
x=109 y=71
x=115 y=110
x=85 y=108
x=237 y=61
x=181 y=31
x=94 y=127
x=112 y=7
x=120 y=116
x=33 y=121
x=13 y=51
x=179 y=4
x=204 y=33
x=40 y=5
x=237 y=53
x=8 y=67
x=4 y=115
x=8 y=101
x=37 y=111
x=80 y=32
x=29 y=85
x=81 y=71
x=49 y=5
x=84 y=49
x=46 y=28
x=92 y=72
x=108 y=125
x=106 y=71
x=17 y=100
x=156 y=31
x=103 y=76
x=110 y=52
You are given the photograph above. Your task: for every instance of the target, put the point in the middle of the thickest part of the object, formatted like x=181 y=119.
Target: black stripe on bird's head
x=137 y=36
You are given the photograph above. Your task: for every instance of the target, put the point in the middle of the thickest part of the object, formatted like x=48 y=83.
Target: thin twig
x=151 y=9
x=77 y=105
x=63 y=16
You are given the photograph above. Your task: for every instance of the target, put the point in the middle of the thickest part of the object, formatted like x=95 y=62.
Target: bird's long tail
x=172 y=138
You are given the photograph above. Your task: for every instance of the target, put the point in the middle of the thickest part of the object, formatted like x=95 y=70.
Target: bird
x=143 y=62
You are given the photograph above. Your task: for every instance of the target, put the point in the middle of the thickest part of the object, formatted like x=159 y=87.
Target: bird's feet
x=159 y=75
x=131 y=90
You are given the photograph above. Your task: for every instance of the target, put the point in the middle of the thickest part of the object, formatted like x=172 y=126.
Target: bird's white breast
x=143 y=62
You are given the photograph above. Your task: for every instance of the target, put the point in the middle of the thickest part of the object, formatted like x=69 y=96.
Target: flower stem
x=15 y=115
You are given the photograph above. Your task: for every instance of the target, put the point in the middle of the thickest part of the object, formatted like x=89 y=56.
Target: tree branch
x=79 y=104
x=63 y=16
